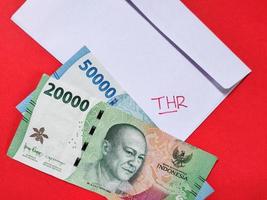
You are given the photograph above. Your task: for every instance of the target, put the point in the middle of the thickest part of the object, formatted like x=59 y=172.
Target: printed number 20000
x=67 y=97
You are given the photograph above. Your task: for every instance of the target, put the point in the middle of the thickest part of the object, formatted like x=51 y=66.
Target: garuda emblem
x=179 y=158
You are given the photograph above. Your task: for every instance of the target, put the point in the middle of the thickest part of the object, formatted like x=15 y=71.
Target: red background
x=235 y=131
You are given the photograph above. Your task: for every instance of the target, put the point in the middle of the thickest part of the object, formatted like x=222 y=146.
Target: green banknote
x=70 y=135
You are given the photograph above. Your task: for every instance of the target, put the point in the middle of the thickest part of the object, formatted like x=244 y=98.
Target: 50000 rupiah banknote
x=84 y=72
x=104 y=149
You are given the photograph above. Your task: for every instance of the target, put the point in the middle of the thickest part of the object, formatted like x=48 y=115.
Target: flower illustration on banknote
x=179 y=158
x=39 y=134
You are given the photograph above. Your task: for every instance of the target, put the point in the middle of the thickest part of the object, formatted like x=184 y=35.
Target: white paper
x=133 y=52
x=195 y=39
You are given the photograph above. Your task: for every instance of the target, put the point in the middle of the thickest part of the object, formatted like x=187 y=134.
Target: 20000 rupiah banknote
x=85 y=72
x=63 y=133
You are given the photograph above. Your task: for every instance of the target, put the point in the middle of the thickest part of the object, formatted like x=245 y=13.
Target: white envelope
x=176 y=58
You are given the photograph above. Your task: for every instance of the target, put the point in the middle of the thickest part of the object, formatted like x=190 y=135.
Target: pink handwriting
x=171 y=104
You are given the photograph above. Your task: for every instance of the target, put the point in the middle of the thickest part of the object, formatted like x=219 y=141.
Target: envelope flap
x=184 y=29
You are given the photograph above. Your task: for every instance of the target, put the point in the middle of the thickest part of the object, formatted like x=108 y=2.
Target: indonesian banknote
x=84 y=71
x=72 y=136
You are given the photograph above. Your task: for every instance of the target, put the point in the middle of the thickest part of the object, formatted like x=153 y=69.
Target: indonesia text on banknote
x=71 y=136
x=84 y=71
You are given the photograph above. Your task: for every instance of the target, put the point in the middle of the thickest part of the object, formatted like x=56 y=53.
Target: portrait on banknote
x=123 y=152
x=116 y=152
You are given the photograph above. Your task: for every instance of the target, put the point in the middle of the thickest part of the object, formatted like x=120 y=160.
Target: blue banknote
x=120 y=100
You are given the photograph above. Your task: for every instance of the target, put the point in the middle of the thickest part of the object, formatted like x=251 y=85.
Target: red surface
x=235 y=132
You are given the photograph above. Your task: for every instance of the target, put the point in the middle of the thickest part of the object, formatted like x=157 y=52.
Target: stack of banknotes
x=80 y=126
